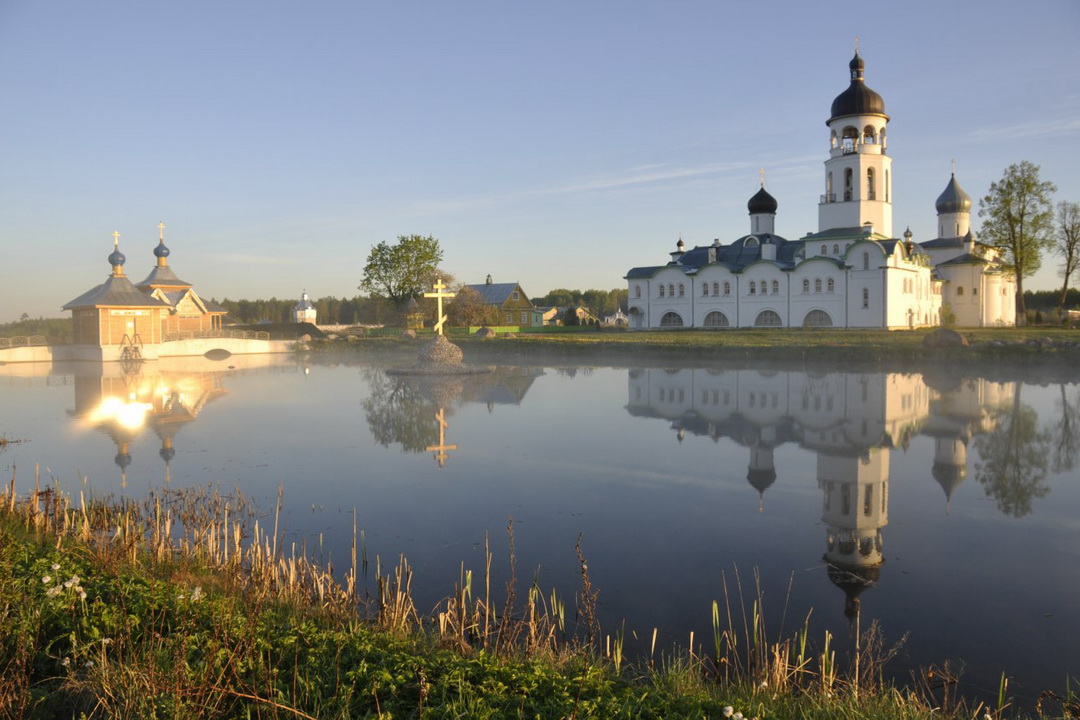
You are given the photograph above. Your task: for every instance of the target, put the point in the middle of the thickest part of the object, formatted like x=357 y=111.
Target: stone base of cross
x=439 y=294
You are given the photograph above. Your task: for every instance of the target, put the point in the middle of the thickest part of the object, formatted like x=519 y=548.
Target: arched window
x=775 y=287
x=831 y=285
x=768 y=318
x=870 y=189
x=866 y=297
x=716 y=288
x=866 y=261
x=817 y=318
x=716 y=319
x=836 y=249
x=806 y=285
x=868 y=134
x=975 y=290
x=817 y=285
x=682 y=290
x=671 y=290
x=753 y=287
x=671 y=319
x=637 y=291
x=661 y=290
x=824 y=250
x=959 y=290
x=727 y=288
x=705 y=289
x=847 y=184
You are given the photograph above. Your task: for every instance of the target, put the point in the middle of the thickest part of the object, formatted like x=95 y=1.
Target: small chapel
x=853 y=272
x=127 y=318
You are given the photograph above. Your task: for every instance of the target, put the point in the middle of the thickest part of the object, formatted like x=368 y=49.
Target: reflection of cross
x=442 y=447
x=439 y=286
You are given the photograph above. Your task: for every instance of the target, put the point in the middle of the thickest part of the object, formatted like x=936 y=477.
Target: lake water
x=944 y=507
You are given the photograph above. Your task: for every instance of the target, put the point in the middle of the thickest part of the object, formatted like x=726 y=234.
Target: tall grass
x=182 y=605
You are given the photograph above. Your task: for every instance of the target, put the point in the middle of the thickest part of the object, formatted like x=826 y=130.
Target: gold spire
x=856 y=44
x=762 y=177
x=161 y=230
x=116 y=239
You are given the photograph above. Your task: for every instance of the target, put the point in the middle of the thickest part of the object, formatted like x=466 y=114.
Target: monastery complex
x=852 y=272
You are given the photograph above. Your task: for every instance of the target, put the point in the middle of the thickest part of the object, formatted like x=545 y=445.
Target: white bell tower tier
x=858 y=173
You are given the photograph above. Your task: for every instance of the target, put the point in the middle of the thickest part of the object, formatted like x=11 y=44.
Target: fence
x=22 y=341
x=200 y=334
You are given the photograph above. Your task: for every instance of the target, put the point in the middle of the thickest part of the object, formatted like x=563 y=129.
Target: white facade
x=852 y=272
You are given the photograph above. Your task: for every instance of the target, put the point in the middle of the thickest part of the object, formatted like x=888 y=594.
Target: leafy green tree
x=403 y=270
x=1018 y=219
x=1067 y=244
x=1013 y=458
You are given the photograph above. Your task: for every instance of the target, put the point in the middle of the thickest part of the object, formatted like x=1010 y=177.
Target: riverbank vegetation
x=186 y=604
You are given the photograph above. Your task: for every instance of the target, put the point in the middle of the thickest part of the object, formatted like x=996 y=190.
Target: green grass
x=182 y=606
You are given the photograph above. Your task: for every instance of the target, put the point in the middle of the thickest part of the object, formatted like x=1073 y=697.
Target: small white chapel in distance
x=851 y=273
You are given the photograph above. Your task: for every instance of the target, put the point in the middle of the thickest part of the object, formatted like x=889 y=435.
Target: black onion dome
x=858 y=99
x=161 y=251
x=953 y=199
x=762 y=202
x=116 y=257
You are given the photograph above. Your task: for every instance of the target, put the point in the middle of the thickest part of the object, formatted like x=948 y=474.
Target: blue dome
x=117 y=258
x=953 y=199
x=161 y=251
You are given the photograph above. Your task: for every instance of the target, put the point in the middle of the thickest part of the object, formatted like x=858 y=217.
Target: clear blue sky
x=556 y=143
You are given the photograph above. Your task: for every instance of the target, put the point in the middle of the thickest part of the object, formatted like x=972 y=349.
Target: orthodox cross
x=161 y=230
x=762 y=177
x=440 y=286
x=441 y=449
x=116 y=238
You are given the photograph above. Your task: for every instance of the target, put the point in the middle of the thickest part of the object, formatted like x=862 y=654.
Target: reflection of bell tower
x=950 y=464
x=856 y=507
x=762 y=471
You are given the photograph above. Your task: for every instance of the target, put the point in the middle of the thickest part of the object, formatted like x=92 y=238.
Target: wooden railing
x=198 y=334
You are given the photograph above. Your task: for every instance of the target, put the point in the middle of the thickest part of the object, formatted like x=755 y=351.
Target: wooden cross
x=441 y=449
x=440 y=286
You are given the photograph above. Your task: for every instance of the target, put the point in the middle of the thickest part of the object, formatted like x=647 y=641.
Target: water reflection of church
x=851 y=421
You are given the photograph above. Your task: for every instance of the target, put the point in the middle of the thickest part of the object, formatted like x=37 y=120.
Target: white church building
x=852 y=272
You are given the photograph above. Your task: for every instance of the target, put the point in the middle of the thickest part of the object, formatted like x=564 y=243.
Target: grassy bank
x=855 y=349
x=183 y=605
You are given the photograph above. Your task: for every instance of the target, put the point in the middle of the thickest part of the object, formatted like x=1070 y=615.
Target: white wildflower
x=89 y=664
x=53 y=591
x=727 y=711
x=75 y=579
x=737 y=716
x=106 y=641
x=67 y=584
x=47 y=579
x=197 y=593
x=65 y=662
x=55 y=567
x=82 y=595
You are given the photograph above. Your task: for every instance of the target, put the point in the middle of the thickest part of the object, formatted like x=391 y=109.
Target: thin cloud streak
x=1027 y=130
x=635 y=177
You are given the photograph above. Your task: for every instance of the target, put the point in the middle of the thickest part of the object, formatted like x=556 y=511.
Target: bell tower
x=858 y=173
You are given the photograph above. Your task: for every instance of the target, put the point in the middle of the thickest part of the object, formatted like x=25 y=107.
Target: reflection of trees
x=1013 y=458
x=397 y=411
x=1065 y=434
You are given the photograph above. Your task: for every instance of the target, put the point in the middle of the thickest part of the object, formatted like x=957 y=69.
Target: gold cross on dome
x=116 y=238
x=161 y=230
x=439 y=286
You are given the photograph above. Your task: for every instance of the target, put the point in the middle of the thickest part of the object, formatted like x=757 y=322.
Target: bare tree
x=1067 y=244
